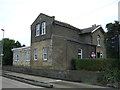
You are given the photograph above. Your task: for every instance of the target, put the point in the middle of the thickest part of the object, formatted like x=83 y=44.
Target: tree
x=17 y=44
x=23 y=45
x=8 y=54
x=112 y=39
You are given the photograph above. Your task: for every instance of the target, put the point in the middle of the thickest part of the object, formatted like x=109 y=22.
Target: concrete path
x=10 y=83
x=56 y=83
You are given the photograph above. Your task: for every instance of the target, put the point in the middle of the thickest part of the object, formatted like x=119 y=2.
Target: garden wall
x=71 y=75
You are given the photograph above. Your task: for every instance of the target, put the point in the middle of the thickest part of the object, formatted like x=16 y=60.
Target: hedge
x=94 y=64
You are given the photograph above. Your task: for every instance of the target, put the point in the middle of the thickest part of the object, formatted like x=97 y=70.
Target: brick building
x=54 y=44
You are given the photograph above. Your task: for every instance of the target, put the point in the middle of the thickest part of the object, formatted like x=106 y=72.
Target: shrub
x=73 y=65
x=111 y=76
x=111 y=68
x=94 y=64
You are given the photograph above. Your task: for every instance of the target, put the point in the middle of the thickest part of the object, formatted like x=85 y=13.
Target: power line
x=99 y=8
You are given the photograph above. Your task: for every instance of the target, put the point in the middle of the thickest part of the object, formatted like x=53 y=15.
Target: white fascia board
x=96 y=28
x=20 y=48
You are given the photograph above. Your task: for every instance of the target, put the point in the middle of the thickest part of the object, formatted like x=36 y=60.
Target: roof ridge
x=46 y=15
x=65 y=24
x=91 y=27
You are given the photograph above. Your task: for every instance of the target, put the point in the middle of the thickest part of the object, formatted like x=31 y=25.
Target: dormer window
x=98 y=41
x=43 y=29
x=37 y=29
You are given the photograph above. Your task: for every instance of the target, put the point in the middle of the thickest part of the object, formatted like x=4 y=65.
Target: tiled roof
x=65 y=25
x=82 y=31
x=81 y=42
x=90 y=29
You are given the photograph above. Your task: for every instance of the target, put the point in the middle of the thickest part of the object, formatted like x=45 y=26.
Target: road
x=9 y=83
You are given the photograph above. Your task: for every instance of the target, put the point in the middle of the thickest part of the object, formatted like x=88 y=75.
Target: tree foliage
x=8 y=54
x=112 y=39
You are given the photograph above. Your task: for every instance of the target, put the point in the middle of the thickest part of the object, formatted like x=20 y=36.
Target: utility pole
x=119 y=45
x=119 y=11
x=2 y=48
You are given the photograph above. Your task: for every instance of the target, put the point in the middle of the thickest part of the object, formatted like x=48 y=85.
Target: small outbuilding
x=21 y=56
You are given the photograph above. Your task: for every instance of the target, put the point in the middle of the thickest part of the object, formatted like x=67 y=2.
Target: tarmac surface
x=55 y=82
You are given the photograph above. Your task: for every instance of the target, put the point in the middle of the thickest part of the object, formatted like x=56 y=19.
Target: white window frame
x=98 y=41
x=27 y=56
x=37 y=29
x=101 y=55
x=17 y=57
x=43 y=29
x=80 y=53
x=45 y=53
x=35 y=54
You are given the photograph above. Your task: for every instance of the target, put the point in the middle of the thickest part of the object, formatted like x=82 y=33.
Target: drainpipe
x=66 y=55
x=119 y=45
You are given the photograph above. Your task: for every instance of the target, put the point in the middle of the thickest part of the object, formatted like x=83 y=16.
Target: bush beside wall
x=109 y=67
x=94 y=64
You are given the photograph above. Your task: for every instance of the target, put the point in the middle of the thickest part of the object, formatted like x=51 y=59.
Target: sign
x=93 y=55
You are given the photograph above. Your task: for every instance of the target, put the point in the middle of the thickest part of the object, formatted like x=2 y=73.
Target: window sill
x=27 y=60
x=99 y=45
x=16 y=60
x=37 y=36
x=41 y=35
x=35 y=59
x=44 y=60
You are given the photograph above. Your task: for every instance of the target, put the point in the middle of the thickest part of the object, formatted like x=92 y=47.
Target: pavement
x=55 y=82
x=11 y=83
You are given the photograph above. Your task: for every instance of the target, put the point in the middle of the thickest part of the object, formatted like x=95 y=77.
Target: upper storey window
x=37 y=29
x=43 y=29
x=98 y=41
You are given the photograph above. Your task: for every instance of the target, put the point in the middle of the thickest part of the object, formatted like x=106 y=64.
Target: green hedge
x=94 y=64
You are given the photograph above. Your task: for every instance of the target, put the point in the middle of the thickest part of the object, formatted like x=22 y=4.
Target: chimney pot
x=94 y=25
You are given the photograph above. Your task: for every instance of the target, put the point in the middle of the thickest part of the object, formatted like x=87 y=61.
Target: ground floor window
x=99 y=55
x=35 y=54
x=17 y=57
x=27 y=56
x=45 y=54
x=79 y=53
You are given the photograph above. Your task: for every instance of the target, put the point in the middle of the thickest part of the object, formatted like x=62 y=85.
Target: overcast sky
x=16 y=16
